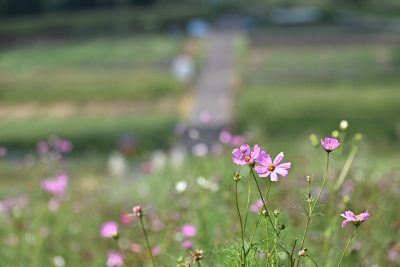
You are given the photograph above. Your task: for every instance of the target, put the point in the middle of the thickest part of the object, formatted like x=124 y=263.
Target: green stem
x=264 y=204
x=312 y=207
x=254 y=231
x=346 y=168
x=147 y=242
x=347 y=245
x=323 y=183
x=315 y=263
x=243 y=257
x=247 y=205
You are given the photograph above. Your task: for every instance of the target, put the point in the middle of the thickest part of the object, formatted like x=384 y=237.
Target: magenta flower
x=355 y=219
x=243 y=155
x=115 y=259
x=109 y=229
x=56 y=186
x=189 y=230
x=330 y=144
x=187 y=244
x=269 y=168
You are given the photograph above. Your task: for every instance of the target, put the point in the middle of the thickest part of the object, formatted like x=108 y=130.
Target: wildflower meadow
x=219 y=133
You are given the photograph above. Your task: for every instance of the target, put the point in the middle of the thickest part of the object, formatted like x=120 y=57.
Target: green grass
x=294 y=90
x=89 y=132
x=100 y=69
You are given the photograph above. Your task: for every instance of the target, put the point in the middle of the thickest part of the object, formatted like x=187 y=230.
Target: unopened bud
x=276 y=212
x=197 y=255
x=282 y=227
x=137 y=211
x=335 y=134
x=314 y=140
x=237 y=177
x=343 y=125
x=303 y=252
x=358 y=137
x=264 y=213
x=309 y=178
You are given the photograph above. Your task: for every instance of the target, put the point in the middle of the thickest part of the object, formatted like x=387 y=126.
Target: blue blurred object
x=198 y=28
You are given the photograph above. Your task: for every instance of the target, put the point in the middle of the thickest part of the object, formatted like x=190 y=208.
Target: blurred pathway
x=213 y=104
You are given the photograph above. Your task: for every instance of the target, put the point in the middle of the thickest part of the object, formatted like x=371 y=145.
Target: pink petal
x=344 y=223
x=264 y=159
x=274 y=177
x=278 y=158
x=285 y=165
x=349 y=215
x=364 y=216
x=237 y=153
x=281 y=171
x=256 y=152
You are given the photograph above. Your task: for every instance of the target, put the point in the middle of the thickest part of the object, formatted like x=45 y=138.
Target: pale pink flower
x=109 y=229
x=189 y=230
x=115 y=259
x=225 y=136
x=187 y=244
x=257 y=206
x=156 y=250
x=329 y=144
x=243 y=155
x=126 y=218
x=269 y=168
x=355 y=219
x=137 y=211
x=56 y=186
x=136 y=248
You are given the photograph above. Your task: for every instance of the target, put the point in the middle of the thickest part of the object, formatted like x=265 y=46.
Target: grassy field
x=90 y=91
x=287 y=92
x=290 y=89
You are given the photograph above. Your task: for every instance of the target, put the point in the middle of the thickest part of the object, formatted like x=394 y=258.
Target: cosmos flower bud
x=276 y=212
x=303 y=252
x=335 y=134
x=343 y=125
x=237 y=177
x=309 y=178
x=358 y=137
x=137 y=211
x=198 y=255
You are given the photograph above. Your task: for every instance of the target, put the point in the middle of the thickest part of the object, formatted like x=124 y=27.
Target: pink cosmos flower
x=56 y=186
x=156 y=250
x=269 y=168
x=187 y=244
x=109 y=229
x=136 y=248
x=126 y=218
x=330 y=144
x=189 y=230
x=257 y=206
x=137 y=211
x=115 y=259
x=355 y=219
x=243 y=155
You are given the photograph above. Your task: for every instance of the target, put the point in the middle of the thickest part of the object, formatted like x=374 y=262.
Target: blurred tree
x=143 y=2
x=19 y=7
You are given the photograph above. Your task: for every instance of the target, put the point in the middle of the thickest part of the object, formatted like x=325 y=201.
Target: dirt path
x=213 y=97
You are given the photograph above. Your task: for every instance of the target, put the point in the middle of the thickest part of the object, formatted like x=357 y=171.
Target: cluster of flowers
x=244 y=155
x=262 y=162
x=54 y=147
x=57 y=187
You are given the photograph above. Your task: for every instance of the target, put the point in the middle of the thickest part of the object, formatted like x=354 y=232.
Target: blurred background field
x=98 y=73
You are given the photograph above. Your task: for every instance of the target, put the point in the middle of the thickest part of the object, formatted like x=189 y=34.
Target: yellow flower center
x=271 y=167
x=247 y=159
